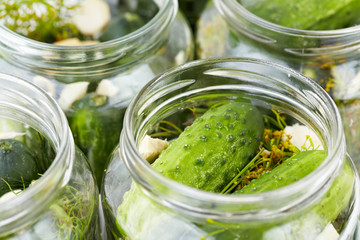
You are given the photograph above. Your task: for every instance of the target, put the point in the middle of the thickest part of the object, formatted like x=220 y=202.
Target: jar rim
x=237 y=10
x=44 y=191
x=166 y=14
x=143 y=172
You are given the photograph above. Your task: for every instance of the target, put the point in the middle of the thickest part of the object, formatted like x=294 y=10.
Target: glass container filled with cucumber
x=92 y=56
x=231 y=149
x=47 y=190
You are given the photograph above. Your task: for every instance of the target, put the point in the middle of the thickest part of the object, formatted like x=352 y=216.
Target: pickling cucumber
x=325 y=211
x=18 y=165
x=306 y=14
x=290 y=171
x=208 y=154
x=96 y=128
x=198 y=151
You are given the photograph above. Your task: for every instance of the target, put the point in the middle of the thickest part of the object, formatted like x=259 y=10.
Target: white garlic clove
x=92 y=16
x=71 y=93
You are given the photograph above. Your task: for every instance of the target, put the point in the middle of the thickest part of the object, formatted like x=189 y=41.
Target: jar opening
x=296 y=41
x=223 y=79
x=23 y=102
x=99 y=60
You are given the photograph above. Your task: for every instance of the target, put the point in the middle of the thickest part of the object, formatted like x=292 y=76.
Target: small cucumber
x=326 y=210
x=209 y=153
x=290 y=171
x=18 y=165
x=96 y=127
x=306 y=14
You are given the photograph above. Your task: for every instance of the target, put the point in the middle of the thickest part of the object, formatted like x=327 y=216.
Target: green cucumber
x=306 y=14
x=96 y=129
x=18 y=165
x=309 y=224
x=320 y=214
x=210 y=152
x=290 y=171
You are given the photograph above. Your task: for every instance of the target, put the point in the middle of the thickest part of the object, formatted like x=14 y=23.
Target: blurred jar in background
x=47 y=190
x=92 y=56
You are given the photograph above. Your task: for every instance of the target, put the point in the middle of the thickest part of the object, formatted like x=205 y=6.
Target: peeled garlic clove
x=75 y=42
x=107 y=88
x=299 y=135
x=71 y=93
x=92 y=16
x=150 y=148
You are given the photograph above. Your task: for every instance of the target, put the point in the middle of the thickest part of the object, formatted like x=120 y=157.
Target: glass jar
x=165 y=209
x=94 y=83
x=192 y=9
x=63 y=202
x=331 y=58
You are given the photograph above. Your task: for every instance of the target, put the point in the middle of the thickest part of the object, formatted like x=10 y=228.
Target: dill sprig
x=74 y=212
x=41 y=20
x=238 y=178
x=275 y=149
x=170 y=129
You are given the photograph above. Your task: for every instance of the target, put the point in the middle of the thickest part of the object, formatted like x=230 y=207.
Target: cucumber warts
x=208 y=154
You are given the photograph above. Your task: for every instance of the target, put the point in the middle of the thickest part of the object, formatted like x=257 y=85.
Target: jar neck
x=305 y=43
x=92 y=62
x=168 y=91
x=23 y=102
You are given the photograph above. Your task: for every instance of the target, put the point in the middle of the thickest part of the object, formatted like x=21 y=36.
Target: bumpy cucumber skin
x=208 y=154
x=290 y=171
x=306 y=14
x=18 y=165
x=326 y=210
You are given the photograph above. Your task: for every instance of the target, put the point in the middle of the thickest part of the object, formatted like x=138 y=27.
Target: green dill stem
x=22 y=180
x=7 y=185
x=218 y=104
x=193 y=110
x=229 y=188
x=226 y=225
x=172 y=125
x=280 y=121
x=162 y=134
x=272 y=121
x=169 y=131
x=214 y=233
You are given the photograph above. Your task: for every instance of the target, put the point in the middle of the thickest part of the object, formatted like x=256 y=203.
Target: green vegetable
x=323 y=212
x=180 y=162
x=18 y=165
x=306 y=14
x=96 y=128
x=290 y=171
x=208 y=154
x=39 y=20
